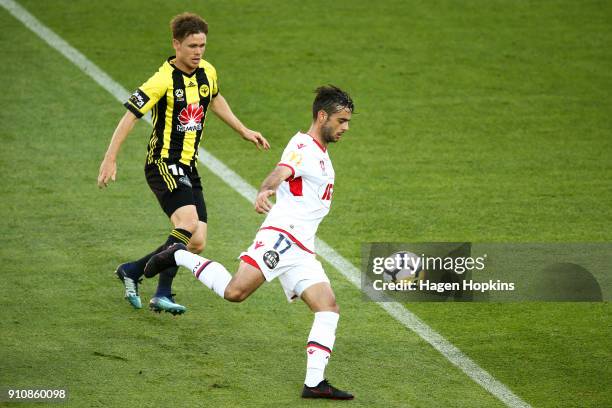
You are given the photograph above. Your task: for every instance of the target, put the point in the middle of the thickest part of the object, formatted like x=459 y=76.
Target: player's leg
x=243 y=283
x=198 y=239
x=322 y=301
x=163 y=299
x=212 y=274
x=172 y=196
x=185 y=221
x=197 y=243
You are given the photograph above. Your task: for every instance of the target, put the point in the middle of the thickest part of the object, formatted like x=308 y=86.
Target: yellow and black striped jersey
x=179 y=102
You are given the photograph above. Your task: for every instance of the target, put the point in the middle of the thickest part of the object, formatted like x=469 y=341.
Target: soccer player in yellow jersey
x=179 y=94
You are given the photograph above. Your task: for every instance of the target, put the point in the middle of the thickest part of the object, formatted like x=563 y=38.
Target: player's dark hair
x=186 y=24
x=331 y=99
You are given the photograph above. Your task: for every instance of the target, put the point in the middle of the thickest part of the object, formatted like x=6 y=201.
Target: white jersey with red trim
x=303 y=200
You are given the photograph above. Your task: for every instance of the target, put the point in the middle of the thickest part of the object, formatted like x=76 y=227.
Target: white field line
x=398 y=311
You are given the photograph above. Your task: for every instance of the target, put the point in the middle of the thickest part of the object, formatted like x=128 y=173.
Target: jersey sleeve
x=293 y=158
x=214 y=80
x=145 y=97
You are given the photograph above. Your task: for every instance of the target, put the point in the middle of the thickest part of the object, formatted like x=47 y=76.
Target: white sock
x=320 y=344
x=210 y=273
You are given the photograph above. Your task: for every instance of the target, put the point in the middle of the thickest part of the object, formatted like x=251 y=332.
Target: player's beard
x=327 y=132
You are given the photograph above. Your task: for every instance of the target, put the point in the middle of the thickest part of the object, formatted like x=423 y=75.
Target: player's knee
x=333 y=307
x=326 y=306
x=235 y=294
x=190 y=225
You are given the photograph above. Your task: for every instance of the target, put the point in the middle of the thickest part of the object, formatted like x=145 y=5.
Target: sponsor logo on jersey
x=190 y=118
x=204 y=91
x=271 y=259
x=139 y=99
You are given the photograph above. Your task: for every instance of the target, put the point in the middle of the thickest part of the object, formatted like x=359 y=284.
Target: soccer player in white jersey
x=303 y=182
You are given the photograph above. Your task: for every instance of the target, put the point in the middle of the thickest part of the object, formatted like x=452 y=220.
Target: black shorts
x=176 y=185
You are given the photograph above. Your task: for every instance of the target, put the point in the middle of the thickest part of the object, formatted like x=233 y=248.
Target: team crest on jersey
x=179 y=94
x=295 y=158
x=190 y=118
x=271 y=259
x=139 y=99
x=204 y=91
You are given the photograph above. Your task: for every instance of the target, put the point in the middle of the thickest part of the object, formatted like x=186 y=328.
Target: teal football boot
x=166 y=304
x=131 y=287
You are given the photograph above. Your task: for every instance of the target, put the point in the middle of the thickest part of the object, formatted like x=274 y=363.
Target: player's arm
x=108 y=168
x=269 y=186
x=139 y=103
x=222 y=109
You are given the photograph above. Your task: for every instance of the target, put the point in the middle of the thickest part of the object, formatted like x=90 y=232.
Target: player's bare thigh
x=320 y=298
x=243 y=283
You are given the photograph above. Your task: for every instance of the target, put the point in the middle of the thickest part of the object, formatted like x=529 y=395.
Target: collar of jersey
x=316 y=142
x=182 y=72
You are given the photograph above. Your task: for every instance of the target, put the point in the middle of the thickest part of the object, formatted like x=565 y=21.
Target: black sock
x=135 y=269
x=164 y=286
x=178 y=235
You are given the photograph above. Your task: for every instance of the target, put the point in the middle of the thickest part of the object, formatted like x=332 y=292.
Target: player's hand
x=262 y=203
x=108 y=172
x=256 y=138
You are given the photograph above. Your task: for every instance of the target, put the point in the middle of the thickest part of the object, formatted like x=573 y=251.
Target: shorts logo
x=139 y=99
x=190 y=118
x=179 y=94
x=258 y=244
x=204 y=91
x=271 y=259
x=185 y=181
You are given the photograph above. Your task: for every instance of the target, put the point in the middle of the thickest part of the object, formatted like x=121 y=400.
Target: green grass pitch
x=484 y=121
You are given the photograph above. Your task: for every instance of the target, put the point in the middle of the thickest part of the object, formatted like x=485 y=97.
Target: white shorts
x=277 y=255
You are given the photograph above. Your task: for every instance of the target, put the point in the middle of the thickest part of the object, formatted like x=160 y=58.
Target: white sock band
x=212 y=274
x=320 y=344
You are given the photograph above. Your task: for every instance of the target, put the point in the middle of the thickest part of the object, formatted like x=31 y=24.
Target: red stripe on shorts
x=250 y=261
